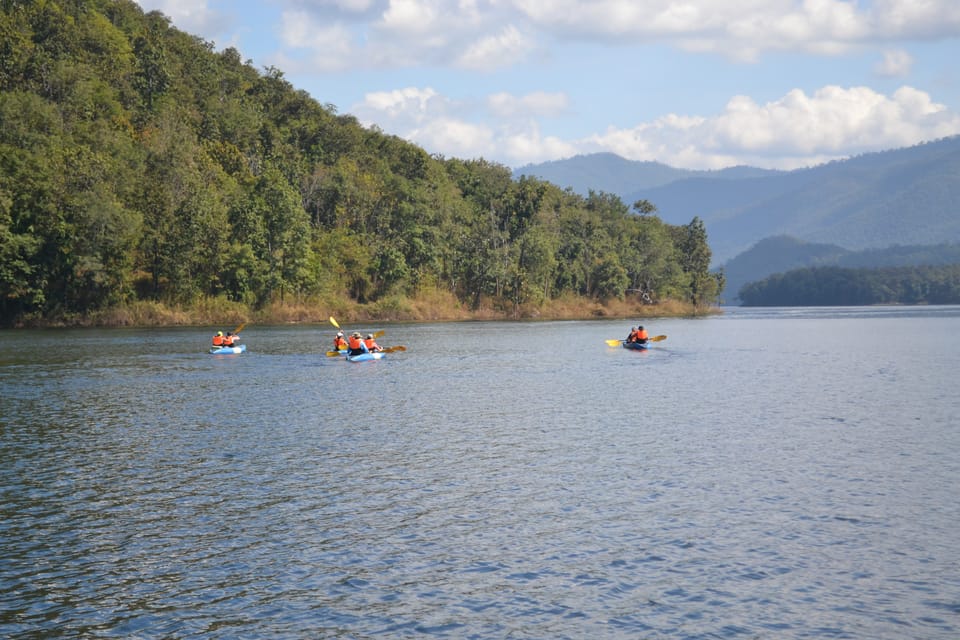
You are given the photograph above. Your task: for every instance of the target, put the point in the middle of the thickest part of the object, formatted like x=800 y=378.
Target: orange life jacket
x=371 y=344
x=642 y=334
x=339 y=343
x=218 y=341
x=354 y=343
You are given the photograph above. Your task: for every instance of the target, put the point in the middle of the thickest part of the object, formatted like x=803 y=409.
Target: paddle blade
x=334 y=322
x=237 y=330
x=656 y=338
x=333 y=354
x=396 y=348
x=379 y=334
x=613 y=343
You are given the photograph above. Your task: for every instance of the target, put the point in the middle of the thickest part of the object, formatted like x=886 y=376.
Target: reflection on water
x=766 y=473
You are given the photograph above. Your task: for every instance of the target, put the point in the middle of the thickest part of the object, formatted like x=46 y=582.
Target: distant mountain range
x=908 y=196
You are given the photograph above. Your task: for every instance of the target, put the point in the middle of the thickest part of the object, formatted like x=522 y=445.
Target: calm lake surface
x=772 y=473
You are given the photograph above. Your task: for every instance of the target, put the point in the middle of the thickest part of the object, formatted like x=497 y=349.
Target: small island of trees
x=838 y=286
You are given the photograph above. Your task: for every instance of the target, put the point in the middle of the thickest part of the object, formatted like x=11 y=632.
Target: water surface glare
x=778 y=473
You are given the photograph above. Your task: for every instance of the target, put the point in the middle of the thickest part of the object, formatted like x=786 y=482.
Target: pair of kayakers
x=638 y=335
x=357 y=344
x=229 y=340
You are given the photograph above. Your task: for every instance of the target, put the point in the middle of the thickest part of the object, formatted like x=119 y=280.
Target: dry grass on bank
x=432 y=305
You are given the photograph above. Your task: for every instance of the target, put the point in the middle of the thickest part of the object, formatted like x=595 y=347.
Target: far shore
x=220 y=312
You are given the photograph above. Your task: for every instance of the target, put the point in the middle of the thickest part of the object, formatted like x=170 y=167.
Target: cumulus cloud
x=793 y=131
x=799 y=128
x=745 y=29
x=502 y=127
x=499 y=33
x=894 y=63
x=496 y=51
x=194 y=16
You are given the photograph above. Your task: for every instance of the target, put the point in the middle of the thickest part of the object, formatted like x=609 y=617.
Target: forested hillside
x=138 y=165
x=832 y=286
x=779 y=254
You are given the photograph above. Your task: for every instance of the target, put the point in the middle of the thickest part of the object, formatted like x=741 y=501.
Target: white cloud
x=799 y=128
x=499 y=50
x=193 y=16
x=410 y=16
x=489 y=34
x=539 y=103
x=329 y=46
x=461 y=128
x=454 y=138
x=744 y=29
x=796 y=130
x=404 y=106
x=895 y=63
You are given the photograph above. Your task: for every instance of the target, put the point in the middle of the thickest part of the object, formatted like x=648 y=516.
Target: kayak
x=636 y=346
x=363 y=357
x=218 y=351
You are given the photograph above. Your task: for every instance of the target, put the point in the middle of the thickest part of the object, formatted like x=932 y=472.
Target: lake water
x=767 y=473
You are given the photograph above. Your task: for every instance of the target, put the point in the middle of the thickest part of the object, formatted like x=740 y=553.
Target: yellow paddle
x=378 y=334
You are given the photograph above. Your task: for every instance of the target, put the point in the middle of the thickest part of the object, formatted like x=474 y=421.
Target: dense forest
x=140 y=166
x=778 y=254
x=834 y=286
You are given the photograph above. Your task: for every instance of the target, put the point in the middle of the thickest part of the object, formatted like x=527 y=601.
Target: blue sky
x=697 y=84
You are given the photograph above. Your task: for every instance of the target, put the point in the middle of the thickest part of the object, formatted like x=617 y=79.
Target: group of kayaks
x=368 y=356
x=360 y=357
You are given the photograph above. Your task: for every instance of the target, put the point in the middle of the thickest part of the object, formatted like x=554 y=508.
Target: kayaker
x=218 y=340
x=230 y=340
x=372 y=343
x=356 y=344
x=339 y=342
x=638 y=335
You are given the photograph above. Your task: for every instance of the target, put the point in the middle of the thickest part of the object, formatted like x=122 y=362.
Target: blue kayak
x=364 y=357
x=218 y=351
x=636 y=346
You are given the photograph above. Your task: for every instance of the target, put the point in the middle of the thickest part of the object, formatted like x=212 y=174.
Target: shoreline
x=220 y=312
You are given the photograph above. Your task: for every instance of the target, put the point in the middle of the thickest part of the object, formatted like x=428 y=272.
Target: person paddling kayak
x=638 y=335
x=356 y=344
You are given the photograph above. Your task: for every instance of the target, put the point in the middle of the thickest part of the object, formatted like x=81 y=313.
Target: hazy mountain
x=902 y=196
x=610 y=173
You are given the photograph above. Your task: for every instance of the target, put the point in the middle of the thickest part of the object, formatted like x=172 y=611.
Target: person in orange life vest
x=339 y=343
x=230 y=340
x=641 y=336
x=372 y=343
x=218 y=339
x=356 y=344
